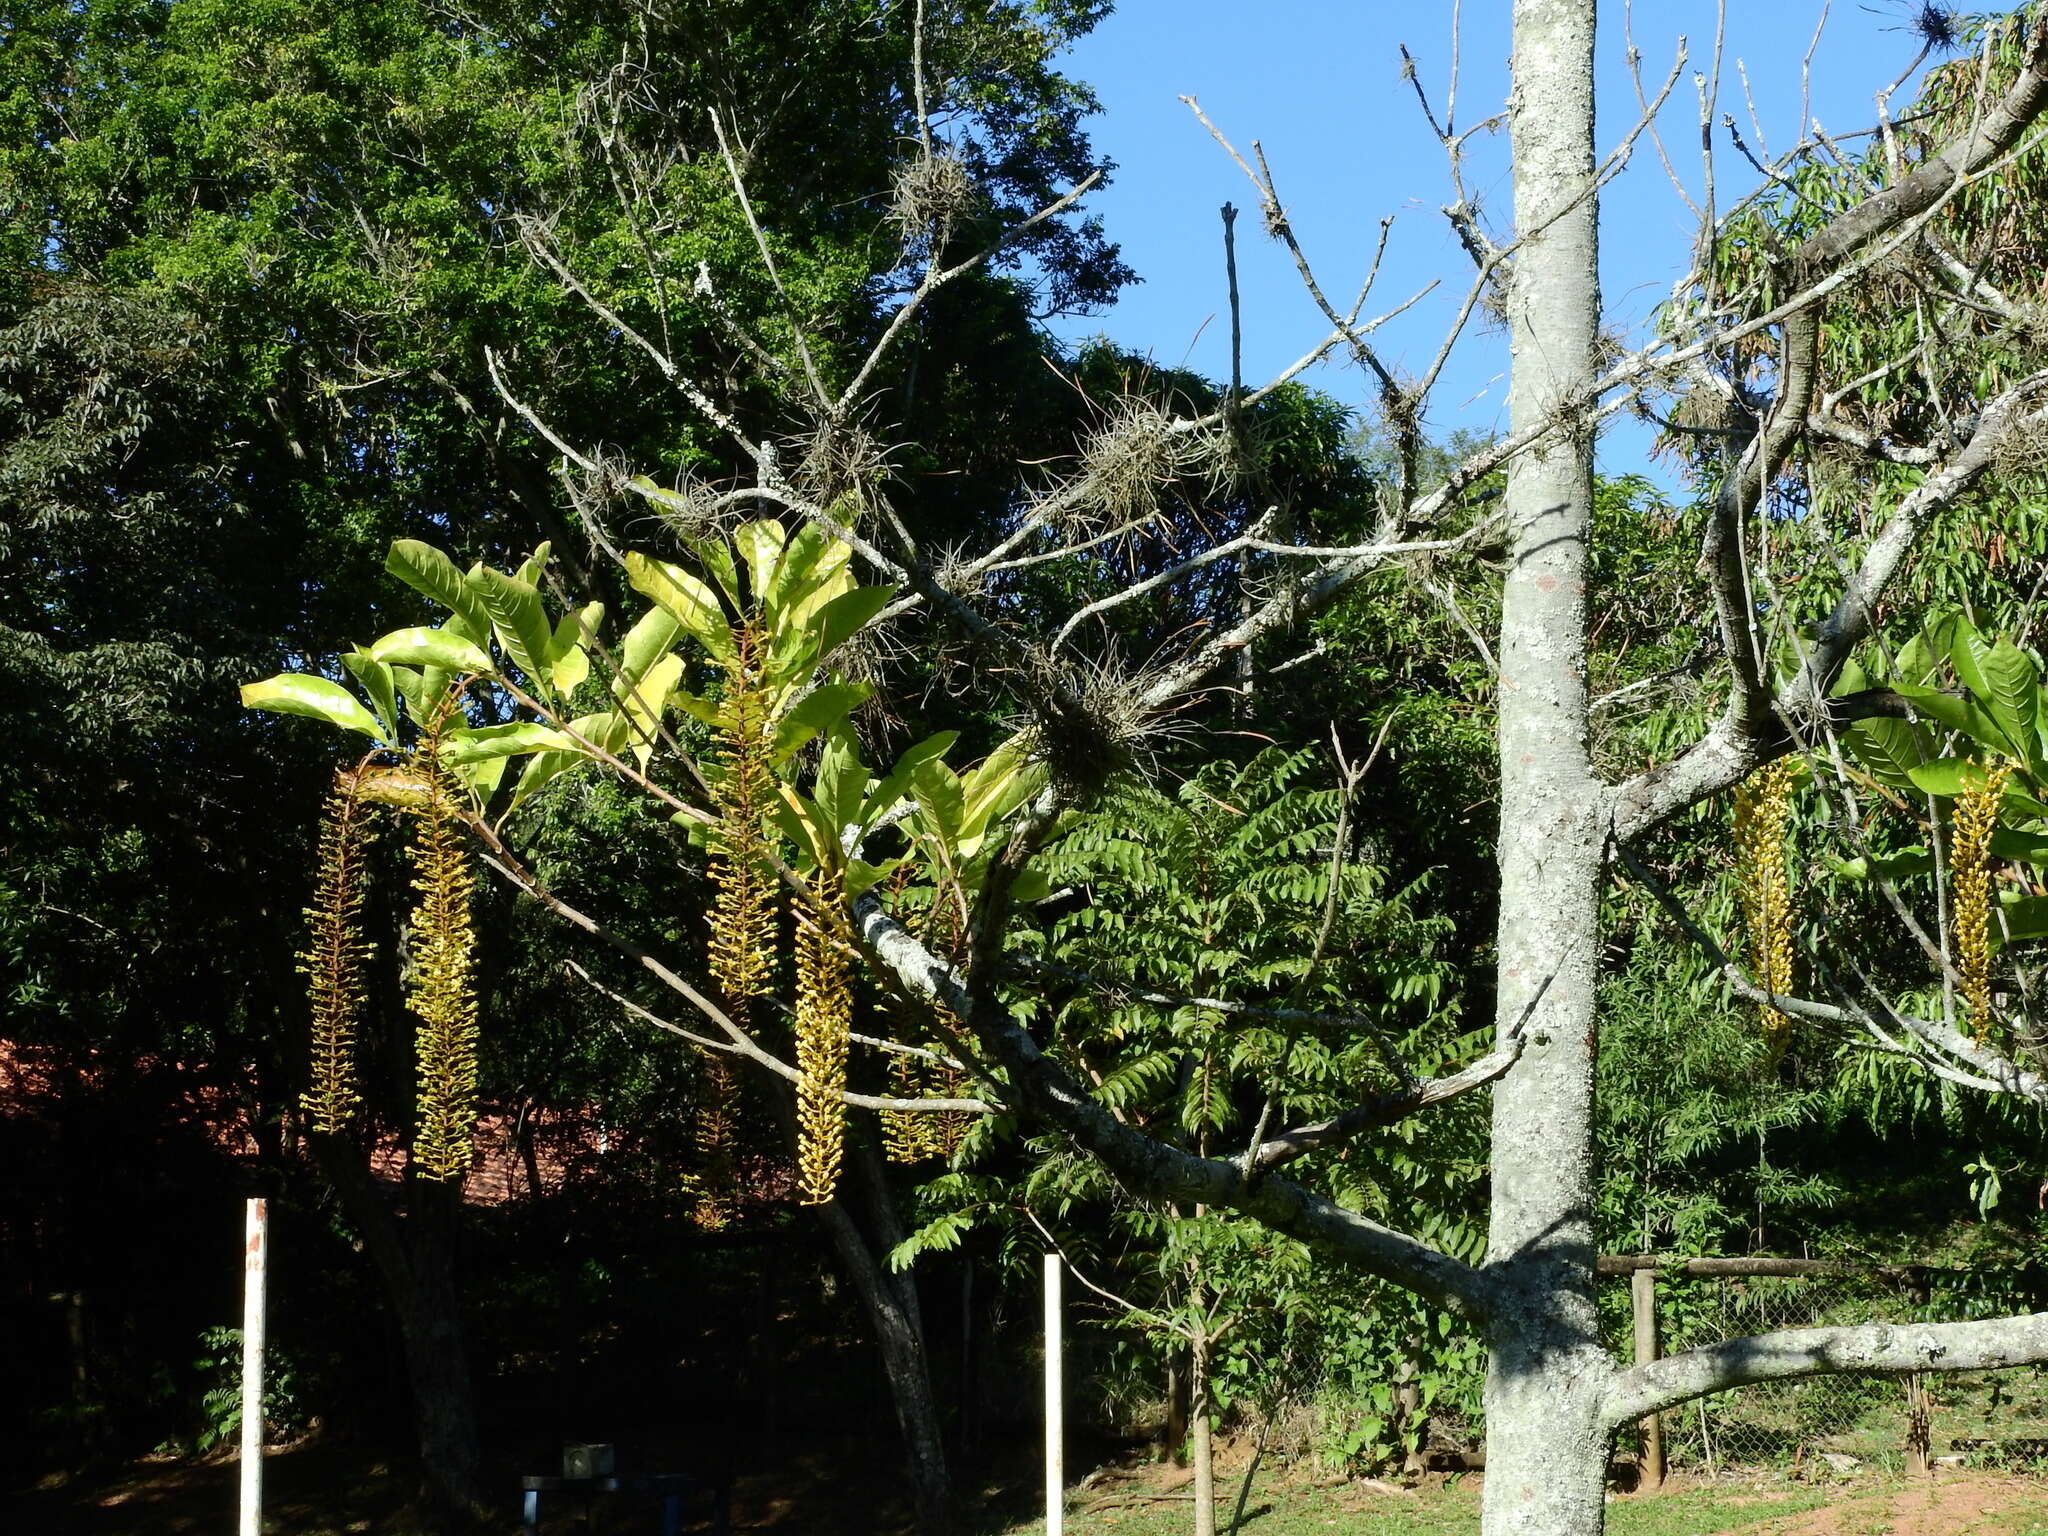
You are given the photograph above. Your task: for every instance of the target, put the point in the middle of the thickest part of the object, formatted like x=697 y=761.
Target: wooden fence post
x=1055 y=1409
x=1919 y=1417
x=1642 y=1295
x=254 y=1255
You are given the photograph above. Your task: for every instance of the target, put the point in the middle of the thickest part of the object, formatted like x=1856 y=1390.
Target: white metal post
x=1055 y=1456
x=254 y=1253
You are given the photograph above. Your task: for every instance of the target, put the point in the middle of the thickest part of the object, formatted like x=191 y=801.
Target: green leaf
x=412 y=687
x=426 y=570
x=821 y=707
x=809 y=828
x=520 y=621
x=715 y=555
x=483 y=778
x=816 y=570
x=842 y=780
x=317 y=698
x=2021 y=918
x=570 y=658
x=644 y=702
x=483 y=743
x=1889 y=749
x=941 y=801
x=696 y=706
x=761 y=544
x=1947 y=776
x=1894 y=867
x=441 y=648
x=535 y=565
x=860 y=877
x=375 y=678
x=2002 y=678
x=996 y=786
x=645 y=643
x=883 y=798
x=693 y=604
x=846 y=616
x=1957 y=714
x=607 y=730
x=2026 y=847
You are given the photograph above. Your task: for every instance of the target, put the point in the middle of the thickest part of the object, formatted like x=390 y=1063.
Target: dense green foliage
x=258 y=264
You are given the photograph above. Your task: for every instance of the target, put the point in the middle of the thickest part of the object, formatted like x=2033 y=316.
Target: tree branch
x=1885 y=1349
x=1051 y=1094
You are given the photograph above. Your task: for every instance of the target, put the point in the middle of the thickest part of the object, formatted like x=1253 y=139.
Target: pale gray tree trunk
x=1548 y=1375
x=1203 y=1450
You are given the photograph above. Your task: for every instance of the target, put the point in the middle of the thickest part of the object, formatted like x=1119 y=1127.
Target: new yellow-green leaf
x=441 y=648
x=317 y=698
x=693 y=604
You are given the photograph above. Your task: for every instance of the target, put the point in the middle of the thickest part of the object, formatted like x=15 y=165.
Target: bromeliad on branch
x=754 y=622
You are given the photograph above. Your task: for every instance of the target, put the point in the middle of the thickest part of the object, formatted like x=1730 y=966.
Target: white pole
x=1055 y=1458
x=254 y=1254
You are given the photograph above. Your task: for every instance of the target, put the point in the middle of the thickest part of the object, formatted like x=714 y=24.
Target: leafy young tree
x=251 y=262
x=970 y=841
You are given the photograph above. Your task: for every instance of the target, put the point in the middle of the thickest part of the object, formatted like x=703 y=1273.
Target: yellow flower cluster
x=1976 y=818
x=743 y=903
x=442 y=994
x=713 y=1183
x=1763 y=810
x=334 y=957
x=824 y=1018
x=914 y=1135
x=742 y=954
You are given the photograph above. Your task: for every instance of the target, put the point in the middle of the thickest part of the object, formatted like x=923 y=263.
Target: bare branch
x=1052 y=1095
x=1882 y=1349
x=779 y=1067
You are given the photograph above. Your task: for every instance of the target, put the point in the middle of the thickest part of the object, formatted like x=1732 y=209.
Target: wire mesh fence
x=1846 y=1420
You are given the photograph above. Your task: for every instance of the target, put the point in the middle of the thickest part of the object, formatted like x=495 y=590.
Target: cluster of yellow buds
x=334 y=958
x=713 y=1183
x=743 y=900
x=1976 y=818
x=742 y=953
x=443 y=991
x=824 y=1021
x=1763 y=812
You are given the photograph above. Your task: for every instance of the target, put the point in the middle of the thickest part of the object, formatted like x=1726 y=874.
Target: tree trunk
x=891 y=1301
x=1548 y=1373
x=415 y=1258
x=1203 y=1450
x=430 y=1320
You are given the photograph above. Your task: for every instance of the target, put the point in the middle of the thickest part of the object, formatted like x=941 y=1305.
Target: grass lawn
x=1955 y=1504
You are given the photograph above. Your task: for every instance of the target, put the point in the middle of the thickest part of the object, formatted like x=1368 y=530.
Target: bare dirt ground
x=849 y=1489
x=1951 y=1504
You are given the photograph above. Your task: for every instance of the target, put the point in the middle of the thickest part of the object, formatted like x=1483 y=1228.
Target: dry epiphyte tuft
x=824 y=1020
x=932 y=194
x=1763 y=811
x=1133 y=456
x=334 y=958
x=839 y=459
x=743 y=902
x=1976 y=818
x=442 y=994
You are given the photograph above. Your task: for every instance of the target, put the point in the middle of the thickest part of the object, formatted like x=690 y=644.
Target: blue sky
x=1318 y=82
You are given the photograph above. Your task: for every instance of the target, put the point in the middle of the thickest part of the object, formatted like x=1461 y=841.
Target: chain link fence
x=1839 y=1422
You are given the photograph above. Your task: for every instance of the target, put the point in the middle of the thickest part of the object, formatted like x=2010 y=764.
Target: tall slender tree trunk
x=1548 y=1373
x=891 y=1301
x=415 y=1258
x=1203 y=1450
